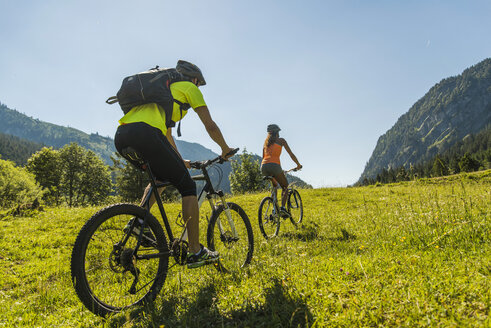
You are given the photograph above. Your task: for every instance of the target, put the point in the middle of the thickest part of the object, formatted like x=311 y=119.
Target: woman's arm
x=292 y=155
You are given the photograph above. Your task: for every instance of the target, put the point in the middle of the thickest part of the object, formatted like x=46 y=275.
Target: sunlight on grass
x=409 y=254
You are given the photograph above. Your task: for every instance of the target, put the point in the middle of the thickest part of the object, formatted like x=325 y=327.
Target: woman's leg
x=281 y=178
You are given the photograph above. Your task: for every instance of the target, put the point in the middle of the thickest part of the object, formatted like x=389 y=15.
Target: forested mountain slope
x=16 y=149
x=449 y=111
x=20 y=125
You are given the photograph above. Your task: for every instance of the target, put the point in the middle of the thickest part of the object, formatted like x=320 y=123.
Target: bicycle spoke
x=231 y=235
x=110 y=276
x=268 y=217
x=295 y=206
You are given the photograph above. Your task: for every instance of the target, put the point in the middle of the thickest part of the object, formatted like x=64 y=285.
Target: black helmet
x=273 y=128
x=190 y=70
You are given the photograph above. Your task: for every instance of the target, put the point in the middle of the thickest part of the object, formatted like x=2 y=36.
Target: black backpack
x=152 y=86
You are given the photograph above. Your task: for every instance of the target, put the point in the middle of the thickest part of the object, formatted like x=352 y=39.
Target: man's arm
x=213 y=129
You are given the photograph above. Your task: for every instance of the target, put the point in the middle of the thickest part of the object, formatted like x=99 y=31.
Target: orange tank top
x=272 y=154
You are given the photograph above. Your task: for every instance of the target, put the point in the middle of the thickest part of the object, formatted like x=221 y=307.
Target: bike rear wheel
x=107 y=274
x=295 y=207
x=230 y=233
x=269 y=218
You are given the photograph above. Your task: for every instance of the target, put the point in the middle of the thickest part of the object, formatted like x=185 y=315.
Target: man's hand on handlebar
x=187 y=162
x=228 y=152
x=299 y=167
x=203 y=164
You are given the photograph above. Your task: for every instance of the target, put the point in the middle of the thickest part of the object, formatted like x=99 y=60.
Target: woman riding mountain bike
x=271 y=166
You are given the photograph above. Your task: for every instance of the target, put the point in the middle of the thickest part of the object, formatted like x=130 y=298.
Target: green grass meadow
x=414 y=254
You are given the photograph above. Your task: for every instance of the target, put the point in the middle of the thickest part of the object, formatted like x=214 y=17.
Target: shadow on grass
x=280 y=309
x=345 y=236
x=304 y=232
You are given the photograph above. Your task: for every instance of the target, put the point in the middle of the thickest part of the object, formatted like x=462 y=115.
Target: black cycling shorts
x=165 y=162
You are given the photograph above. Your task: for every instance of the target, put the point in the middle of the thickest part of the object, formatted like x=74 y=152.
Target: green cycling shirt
x=154 y=115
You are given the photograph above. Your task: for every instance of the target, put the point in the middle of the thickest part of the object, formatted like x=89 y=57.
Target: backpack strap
x=182 y=106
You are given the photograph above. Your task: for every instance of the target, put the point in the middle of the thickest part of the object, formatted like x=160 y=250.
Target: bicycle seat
x=133 y=156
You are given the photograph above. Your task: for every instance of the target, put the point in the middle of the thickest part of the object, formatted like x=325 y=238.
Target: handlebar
x=294 y=170
x=219 y=159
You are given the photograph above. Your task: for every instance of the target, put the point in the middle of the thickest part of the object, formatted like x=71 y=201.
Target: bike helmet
x=273 y=128
x=190 y=71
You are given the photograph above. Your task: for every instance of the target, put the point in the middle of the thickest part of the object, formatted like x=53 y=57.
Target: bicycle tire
x=295 y=207
x=101 y=277
x=235 y=251
x=268 y=217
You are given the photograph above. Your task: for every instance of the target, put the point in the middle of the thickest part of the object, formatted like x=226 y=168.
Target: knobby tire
x=100 y=282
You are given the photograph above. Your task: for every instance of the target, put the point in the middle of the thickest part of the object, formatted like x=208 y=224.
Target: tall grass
x=408 y=254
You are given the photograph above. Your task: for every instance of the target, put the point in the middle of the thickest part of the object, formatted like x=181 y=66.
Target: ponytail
x=271 y=139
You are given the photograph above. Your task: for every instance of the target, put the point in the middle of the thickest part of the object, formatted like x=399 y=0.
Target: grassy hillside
x=410 y=254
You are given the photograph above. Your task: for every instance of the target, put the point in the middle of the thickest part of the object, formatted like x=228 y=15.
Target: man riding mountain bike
x=144 y=129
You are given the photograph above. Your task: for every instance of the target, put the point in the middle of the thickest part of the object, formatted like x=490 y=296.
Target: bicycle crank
x=179 y=250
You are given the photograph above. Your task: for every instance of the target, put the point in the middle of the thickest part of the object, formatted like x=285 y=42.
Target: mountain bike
x=114 y=268
x=269 y=215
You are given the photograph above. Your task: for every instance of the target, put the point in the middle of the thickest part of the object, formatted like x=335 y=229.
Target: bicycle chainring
x=180 y=251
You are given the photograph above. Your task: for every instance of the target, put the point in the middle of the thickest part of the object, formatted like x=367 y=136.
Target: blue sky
x=335 y=75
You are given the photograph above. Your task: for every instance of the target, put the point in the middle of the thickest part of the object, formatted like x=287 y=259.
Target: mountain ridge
x=452 y=109
x=34 y=131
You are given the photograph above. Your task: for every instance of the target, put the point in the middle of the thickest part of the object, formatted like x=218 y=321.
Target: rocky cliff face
x=452 y=109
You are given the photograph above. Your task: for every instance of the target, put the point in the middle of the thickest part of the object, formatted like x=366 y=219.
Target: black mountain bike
x=269 y=215
x=114 y=268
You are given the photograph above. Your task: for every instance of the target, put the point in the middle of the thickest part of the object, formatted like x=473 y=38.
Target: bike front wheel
x=295 y=207
x=107 y=273
x=269 y=218
x=230 y=233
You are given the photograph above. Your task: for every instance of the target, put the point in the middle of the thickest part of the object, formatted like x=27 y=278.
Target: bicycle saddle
x=132 y=155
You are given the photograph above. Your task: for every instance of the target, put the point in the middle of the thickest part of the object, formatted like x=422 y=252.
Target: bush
x=17 y=186
x=246 y=174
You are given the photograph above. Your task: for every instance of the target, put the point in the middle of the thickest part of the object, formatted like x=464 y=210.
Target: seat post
x=155 y=190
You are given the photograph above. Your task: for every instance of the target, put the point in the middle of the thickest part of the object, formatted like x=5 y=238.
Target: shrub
x=17 y=186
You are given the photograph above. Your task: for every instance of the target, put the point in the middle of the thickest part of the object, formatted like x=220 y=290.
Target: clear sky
x=334 y=75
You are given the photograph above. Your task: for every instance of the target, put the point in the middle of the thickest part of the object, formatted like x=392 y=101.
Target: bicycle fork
x=214 y=206
x=228 y=214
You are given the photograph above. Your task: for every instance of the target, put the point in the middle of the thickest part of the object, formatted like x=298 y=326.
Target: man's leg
x=152 y=200
x=190 y=213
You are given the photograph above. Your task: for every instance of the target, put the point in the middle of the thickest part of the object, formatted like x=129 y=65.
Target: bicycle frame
x=275 y=186
x=207 y=192
x=274 y=191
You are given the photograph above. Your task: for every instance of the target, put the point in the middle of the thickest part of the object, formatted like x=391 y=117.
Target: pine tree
x=439 y=168
x=246 y=175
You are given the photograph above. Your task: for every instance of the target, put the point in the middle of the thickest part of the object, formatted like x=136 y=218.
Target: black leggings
x=165 y=162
